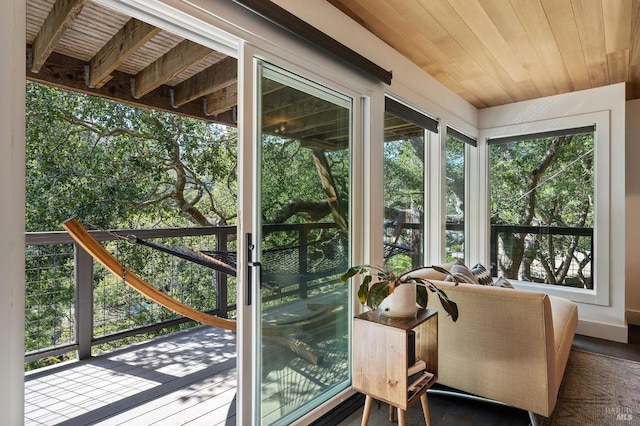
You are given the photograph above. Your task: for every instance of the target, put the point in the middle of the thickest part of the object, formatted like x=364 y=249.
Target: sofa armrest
x=565 y=322
x=502 y=347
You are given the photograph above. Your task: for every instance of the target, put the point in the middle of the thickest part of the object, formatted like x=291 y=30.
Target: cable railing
x=543 y=254
x=75 y=307
x=72 y=305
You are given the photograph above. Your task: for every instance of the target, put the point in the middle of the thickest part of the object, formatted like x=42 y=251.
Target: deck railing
x=568 y=246
x=550 y=253
x=73 y=305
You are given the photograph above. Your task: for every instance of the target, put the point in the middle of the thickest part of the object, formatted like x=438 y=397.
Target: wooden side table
x=381 y=359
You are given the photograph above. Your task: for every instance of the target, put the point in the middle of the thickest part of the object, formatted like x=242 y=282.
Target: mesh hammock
x=220 y=261
x=314 y=260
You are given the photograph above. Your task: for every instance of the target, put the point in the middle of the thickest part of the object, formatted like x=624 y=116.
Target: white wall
x=633 y=207
x=12 y=71
x=603 y=321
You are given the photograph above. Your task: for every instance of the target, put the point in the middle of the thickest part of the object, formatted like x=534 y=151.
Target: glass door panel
x=303 y=245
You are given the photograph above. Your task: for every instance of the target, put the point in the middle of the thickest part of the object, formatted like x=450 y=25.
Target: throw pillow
x=502 y=282
x=461 y=273
x=482 y=275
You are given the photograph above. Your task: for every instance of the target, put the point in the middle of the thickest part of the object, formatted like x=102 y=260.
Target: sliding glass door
x=300 y=244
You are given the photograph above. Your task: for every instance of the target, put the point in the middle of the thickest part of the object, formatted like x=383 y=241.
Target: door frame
x=361 y=196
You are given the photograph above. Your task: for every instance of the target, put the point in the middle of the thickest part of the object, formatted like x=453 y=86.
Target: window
x=404 y=184
x=455 y=198
x=542 y=207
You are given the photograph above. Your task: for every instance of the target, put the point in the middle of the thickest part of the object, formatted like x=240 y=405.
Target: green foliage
x=404 y=190
x=563 y=193
x=118 y=166
x=455 y=161
x=404 y=174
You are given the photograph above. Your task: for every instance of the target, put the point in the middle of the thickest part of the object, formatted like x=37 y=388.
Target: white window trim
x=602 y=200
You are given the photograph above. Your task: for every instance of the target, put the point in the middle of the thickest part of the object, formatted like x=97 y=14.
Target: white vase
x=401 y=303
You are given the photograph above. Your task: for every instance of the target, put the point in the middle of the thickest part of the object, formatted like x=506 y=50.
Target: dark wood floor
x=455 y=411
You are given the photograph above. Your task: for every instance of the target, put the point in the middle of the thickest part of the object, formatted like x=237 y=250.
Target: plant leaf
x=422 y=296
x=350 y=273
x=450 y=306
x=377 y=293
x=363 y=290
x=440 y=269
x=354 y=270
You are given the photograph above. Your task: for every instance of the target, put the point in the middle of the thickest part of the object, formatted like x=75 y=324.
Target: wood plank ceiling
x=490 y=52
x=495 y=52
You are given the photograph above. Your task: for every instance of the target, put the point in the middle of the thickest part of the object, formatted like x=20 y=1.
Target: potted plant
x=388 y=283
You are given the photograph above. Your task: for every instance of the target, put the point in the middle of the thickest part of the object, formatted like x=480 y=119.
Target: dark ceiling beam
x=68 y=73
x=218 y=76
x=290 y=22
x=165 y=68
x=122 y=45
x=223 y=100
x=60 y=17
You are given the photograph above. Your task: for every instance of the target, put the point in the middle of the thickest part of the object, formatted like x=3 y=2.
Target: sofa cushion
x=502 y=282
x=461 y=274
x=482 y=275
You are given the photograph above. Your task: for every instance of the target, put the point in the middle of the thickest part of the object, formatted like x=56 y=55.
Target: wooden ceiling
x=494 y=52
x=490 y=52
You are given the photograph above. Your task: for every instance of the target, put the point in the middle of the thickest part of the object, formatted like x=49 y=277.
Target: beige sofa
x=508 y=345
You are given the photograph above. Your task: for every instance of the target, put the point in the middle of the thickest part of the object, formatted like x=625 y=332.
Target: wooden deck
x=189 y=378
x=184 y=378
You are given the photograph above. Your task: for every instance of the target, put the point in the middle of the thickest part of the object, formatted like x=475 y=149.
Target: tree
x=544 y=182
x=404 y=195
x=120 y=166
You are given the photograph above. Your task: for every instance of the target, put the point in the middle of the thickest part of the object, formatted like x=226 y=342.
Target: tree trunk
x=518 y=247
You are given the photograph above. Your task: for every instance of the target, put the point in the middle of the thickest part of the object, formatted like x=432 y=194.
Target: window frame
x=602 y=201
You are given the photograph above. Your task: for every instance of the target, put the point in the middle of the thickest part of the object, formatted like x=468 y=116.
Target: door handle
x=250 y=266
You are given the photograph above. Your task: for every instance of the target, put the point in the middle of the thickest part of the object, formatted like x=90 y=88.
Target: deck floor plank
x=142 y=384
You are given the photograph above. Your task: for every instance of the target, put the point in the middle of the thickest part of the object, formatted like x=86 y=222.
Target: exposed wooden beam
x=61 y=16
x=221 y=101
x=121 y=46
x=68 y=73
x=178 y=59
x=218 y=76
